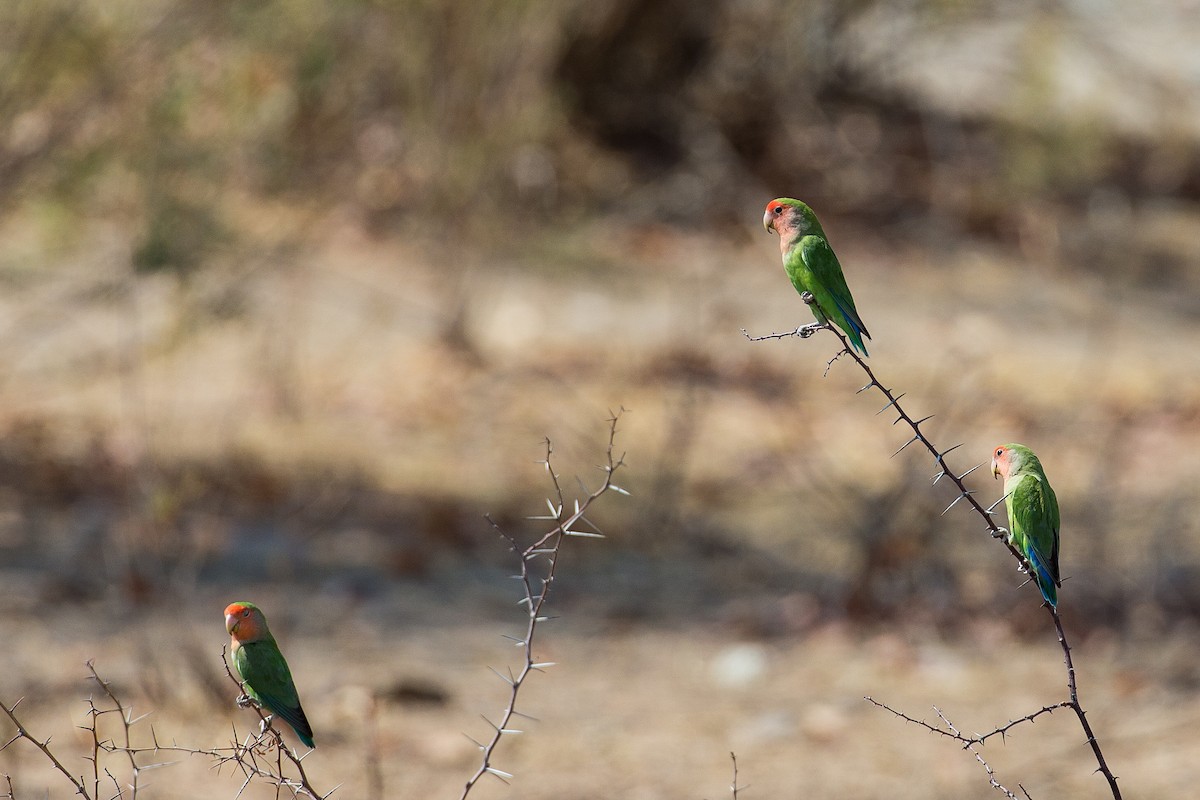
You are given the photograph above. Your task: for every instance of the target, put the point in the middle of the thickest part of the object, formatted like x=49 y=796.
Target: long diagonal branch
x=944 y=471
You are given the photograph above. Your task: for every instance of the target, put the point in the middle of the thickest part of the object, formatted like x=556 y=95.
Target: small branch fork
x=985 y=514
x=971 y=742
x=536 y=585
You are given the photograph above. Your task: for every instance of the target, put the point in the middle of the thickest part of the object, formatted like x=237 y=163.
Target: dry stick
x=23 y=733
x=1079 y=712
x=985 y=514
x=93 y=728
x=245 y=755
x=127 y=722
x=986 y=766
x=548 y=545
x=968 y=741
x=237 y=753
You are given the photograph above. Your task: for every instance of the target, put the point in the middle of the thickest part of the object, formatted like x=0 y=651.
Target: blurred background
x=294 y=291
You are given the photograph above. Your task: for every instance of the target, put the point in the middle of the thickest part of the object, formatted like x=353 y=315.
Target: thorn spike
x=968 y=472
x=942 y=455
x=891 y=403
x=953 y=504
x=906 y=444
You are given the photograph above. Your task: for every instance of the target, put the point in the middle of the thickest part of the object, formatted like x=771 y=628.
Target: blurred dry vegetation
x=292 y=290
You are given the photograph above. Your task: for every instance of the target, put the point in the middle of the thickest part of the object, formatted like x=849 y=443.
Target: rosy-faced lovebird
x=811 y=264
x=265 y=675
x=1032 y=514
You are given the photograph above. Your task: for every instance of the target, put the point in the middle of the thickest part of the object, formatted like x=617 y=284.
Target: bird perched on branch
x=813 y=267
x=263 y=670
x=1032 y=514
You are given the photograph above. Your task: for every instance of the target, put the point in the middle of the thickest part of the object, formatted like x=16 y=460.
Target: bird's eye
x=246 y=613
x=778 y=210
x=999 y=452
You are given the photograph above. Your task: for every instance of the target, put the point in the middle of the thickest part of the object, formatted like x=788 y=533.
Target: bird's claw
x=244 y=701
x=805 y=331
x=1000 y=533
x=808 y=298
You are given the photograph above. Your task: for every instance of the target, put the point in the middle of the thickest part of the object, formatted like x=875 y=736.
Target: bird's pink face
x=776 y=218
x=241 y=622
x=1001 y=462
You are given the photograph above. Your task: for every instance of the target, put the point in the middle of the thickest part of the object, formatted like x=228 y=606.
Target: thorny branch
x=733 y=785
x=536 y=586
x=944 y=471
x=253 y=756
x=44 y=746
x=259 y=756
x=986 y=766
x=953 y=733
x=99 y=745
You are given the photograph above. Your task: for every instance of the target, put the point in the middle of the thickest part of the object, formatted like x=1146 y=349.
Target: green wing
x=269 y=681
x=1033 y=515
x=828 y=285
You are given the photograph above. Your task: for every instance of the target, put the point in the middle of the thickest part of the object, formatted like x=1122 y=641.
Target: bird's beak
x=230 y=623
x=995 y=469
x=769 y=222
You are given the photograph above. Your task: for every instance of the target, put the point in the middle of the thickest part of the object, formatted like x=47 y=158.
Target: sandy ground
x=371 y=378
x=644 y=711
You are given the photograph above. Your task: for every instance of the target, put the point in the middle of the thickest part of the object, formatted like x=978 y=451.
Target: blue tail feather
x=856 y=331
x=1045 y=581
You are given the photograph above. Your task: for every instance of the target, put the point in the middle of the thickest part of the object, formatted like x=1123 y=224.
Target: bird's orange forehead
x=233 y=609
x=774 y=207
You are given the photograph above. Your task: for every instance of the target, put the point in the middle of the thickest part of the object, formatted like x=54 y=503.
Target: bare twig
x=979 y=738
x=995 y=784
x=127 y=723
x=985 y=514
x=44 y=746
x=536 y=588
x=259 y=757
x=1078 y=709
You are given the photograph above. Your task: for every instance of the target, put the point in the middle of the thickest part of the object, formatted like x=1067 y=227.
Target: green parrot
x=1032 y=514
x=811 y=264
x=265 y=674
